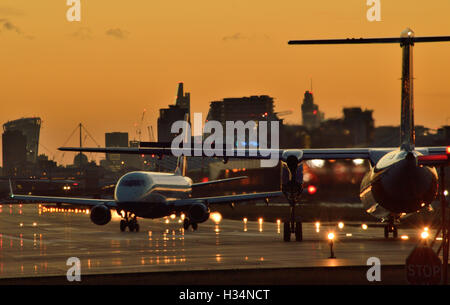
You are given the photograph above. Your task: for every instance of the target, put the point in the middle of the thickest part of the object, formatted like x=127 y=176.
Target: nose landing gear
x=129 y=221
x=292 y=226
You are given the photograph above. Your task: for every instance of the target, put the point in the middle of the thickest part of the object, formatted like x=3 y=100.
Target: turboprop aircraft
x=401 y=180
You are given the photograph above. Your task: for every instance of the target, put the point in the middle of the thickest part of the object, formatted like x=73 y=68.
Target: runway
x=36 y=242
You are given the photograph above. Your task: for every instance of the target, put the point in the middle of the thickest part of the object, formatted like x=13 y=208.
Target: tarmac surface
x=35 y=244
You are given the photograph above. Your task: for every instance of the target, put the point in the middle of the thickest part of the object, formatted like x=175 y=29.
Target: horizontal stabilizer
x=371 y=40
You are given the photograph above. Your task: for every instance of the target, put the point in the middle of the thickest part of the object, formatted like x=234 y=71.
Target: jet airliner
x=397 y=183
x=152 y=195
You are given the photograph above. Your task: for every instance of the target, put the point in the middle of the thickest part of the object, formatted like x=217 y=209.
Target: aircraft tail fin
x=407 y=133
x=407 y=41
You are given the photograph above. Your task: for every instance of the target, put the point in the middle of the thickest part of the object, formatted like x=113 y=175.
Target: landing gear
x=132 y=223
x=390 y=227
x=292 y=226
x=187 y=223
x=123 y=225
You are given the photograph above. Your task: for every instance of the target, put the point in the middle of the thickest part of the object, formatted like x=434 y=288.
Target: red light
x=433 y=158
x=75 y=184
x=312 y=189
x=315 y=112
x=205 y=179
x=142 y=155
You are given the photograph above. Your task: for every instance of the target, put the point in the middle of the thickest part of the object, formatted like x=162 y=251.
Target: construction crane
x=139 y=126
x=283 y=113
x=151 y=136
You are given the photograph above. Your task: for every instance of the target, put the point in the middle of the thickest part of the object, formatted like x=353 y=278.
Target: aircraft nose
x=411 y=159
x=128 y=194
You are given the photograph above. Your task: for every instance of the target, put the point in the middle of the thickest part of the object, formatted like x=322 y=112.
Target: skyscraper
x=253 y=108
x=20 y=145
x=167 y=116
x=311 y=116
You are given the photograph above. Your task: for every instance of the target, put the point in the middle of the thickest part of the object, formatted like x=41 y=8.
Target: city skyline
x=104 y=70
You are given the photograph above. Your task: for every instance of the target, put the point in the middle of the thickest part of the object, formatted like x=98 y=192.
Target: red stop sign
x=423 y=266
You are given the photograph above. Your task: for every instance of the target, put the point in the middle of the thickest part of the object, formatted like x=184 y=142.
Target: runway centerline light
x=341 y=225
x=364 y=226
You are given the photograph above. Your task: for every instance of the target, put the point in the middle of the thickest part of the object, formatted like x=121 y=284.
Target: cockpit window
x=133 y=182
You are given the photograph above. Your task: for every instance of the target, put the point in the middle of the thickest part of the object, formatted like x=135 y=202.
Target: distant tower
x=20 y=145
x=183 y=100
x=167 y=116
x=311 y=115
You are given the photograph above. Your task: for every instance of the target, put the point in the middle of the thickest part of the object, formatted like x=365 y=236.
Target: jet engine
x=198 y=213
x=292 y=179
x=100 y=214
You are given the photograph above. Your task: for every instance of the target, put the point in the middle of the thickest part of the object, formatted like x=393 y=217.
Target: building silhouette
x=245 y=109
x=311 y=116
x=20 y=145
x=355 y=129
x=360 y=124
x=168 y=116
x=256 y=108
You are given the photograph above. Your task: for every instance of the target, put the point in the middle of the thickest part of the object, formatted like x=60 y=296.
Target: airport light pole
x=330 y=239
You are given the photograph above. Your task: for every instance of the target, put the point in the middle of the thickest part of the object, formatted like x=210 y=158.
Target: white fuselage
x=151 y=187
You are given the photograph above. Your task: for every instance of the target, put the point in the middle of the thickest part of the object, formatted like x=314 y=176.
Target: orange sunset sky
x=125 y=56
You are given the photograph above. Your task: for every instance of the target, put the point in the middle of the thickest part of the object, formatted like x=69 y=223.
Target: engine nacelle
x=100 y=214
x=198 y=213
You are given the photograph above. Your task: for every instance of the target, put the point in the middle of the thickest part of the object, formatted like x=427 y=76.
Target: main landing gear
x=292 y=227
x=187 y=223
x=129 y=221
x=390 y=228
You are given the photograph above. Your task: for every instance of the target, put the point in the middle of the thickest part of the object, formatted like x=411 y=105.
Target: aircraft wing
x=182 y=203
x=301 y=154
x=218 y=181
x=75 y=201
x=372 y=154
x=437 y=156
